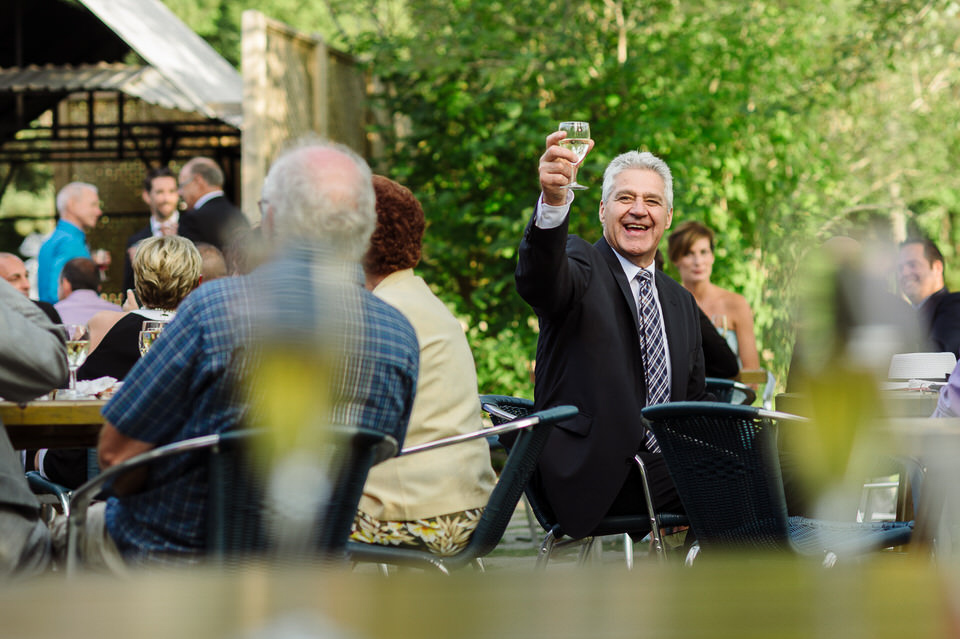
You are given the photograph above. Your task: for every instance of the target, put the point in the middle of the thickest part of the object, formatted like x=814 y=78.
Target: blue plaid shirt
x=183 y=388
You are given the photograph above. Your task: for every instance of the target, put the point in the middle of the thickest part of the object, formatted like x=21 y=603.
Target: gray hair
x=206 y=168
x=315 y=202
x=637 y=160
x=71 y=191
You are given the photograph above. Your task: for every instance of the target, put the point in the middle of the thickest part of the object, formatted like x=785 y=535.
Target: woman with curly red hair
x=430 y=500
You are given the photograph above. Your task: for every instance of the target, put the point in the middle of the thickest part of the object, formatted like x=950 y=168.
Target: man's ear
x=146 y=198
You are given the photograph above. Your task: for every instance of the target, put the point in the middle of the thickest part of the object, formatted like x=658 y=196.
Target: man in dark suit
x=920 y=276
x=161 y=195
x=210 y=217
x=593 y=341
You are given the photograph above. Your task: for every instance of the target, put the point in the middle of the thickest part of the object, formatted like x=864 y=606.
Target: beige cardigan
x=449 y=479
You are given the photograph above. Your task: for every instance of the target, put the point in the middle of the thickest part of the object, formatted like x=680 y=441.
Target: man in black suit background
x=920 y=276
x=589 y=351
x=210 y=217
x=161 y=195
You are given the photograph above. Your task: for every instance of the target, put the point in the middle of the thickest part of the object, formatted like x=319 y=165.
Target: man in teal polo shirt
x=78 y=204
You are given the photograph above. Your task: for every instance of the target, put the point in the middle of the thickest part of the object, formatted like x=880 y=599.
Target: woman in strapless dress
x=690 y=249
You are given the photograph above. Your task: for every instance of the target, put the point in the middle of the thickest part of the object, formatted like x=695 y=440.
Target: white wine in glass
x=78 y=344
x=578 y=141
x=146 y=340
x=149 y=332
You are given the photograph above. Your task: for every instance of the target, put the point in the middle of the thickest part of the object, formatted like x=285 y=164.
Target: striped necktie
x=654 y=354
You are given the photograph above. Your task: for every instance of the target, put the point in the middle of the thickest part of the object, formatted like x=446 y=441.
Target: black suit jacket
x=142 y=234
x=941 y=314
x=588 y=355
x=216 y=222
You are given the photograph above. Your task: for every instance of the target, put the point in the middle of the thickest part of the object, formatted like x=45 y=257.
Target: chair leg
x=478 y=564
x=585 y=548
x=546 y=549
x=531 y=521
x=658 y=546
x=628 y=550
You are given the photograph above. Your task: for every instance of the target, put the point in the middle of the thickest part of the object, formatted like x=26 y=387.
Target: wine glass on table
x=149 y=332
x=578 y=141
x=78 y=344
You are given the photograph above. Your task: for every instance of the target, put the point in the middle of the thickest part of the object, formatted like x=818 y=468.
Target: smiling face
x=697 y=265
x=636 y=215
x=162 y=198
x=917 y=276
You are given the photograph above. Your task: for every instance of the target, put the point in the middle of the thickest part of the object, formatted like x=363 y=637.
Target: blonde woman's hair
x=165 y=270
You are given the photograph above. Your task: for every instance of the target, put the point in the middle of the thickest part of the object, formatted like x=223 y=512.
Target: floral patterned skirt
x=444 y=535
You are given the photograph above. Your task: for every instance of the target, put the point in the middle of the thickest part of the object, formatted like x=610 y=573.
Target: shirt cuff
x=549 y=216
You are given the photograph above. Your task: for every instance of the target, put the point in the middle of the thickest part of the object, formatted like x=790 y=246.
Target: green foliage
x=730 y=95
x=784 y=123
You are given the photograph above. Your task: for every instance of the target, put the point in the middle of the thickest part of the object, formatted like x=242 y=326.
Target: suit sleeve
x=696 y=385
x=945 y=332
x=549 y=275
x=33 y=356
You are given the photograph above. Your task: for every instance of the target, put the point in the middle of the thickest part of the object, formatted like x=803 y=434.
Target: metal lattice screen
x=293 y=84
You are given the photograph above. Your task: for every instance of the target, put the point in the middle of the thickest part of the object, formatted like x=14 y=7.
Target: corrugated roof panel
x=180 y=55
x=145 y=83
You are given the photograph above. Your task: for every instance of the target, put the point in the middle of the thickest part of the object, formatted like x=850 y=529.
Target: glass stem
x=73 y=378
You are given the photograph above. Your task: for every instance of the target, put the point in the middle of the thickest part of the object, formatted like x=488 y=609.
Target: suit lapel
x=670 y=303
x=617 y=271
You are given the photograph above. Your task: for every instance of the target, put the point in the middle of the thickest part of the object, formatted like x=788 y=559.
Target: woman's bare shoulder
x=105 y=319
x=100 y=324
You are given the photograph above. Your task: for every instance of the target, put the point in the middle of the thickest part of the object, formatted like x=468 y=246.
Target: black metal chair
x=239 y=508
x=730 y=391
x=723 y=460
x=501 y=409
x=530 y=433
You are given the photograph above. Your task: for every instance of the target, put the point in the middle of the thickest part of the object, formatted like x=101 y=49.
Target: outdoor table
x=883 y=596
x=894 y=403
x=52 y=424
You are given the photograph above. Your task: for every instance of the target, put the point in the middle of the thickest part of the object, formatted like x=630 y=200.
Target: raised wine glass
x=78 y=344
x=578 y=141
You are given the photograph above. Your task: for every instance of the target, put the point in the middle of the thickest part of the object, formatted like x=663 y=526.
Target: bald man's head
x=321 y=192
x=14 y=271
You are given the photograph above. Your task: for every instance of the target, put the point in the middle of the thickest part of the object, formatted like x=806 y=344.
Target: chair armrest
x=781 y=416
x=496 y=411
x=40 y=485
x=82 y=496
x=556 y=413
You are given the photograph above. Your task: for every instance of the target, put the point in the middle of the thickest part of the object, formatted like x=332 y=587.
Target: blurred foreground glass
x=304 y=323
x=850 y=325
